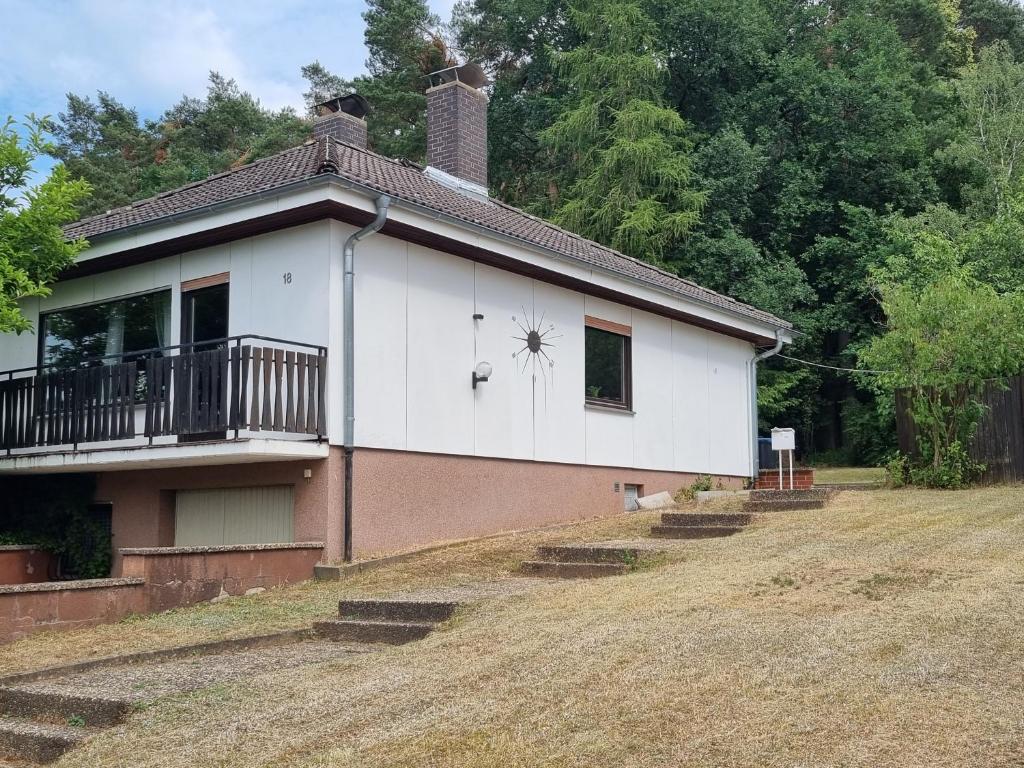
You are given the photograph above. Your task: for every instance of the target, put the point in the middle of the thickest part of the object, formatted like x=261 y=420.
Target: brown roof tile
x=405 y=182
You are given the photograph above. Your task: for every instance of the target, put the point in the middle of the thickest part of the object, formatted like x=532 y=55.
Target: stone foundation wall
x=61 y=605
x=403 y=500
x=177 y=576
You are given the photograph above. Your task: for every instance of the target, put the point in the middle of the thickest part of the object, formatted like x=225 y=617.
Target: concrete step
x=794 y=495
x=557 y=570
x=730 y=519
x=783 y=505
x=397 y=610
x=58 y=707
x=693 y=531
x=581 y=553
x=38 y=742
x=389 y=632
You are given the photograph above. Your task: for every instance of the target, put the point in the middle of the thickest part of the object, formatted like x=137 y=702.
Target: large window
x=105 y=331
x=608 y=376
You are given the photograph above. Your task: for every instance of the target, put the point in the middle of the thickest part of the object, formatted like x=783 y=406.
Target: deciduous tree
x=33 y=249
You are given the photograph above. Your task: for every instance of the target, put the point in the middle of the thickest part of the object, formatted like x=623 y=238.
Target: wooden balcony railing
x=228 y=385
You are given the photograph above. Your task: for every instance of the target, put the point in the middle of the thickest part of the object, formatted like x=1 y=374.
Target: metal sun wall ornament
x=537 y=339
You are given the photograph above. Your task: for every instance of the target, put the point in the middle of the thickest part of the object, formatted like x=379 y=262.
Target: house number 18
x=287 y=278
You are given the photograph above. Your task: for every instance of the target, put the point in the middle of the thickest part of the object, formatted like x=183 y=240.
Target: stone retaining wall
x=154 y=579
x=28 y=608
x=25 y=564
x=177 y=576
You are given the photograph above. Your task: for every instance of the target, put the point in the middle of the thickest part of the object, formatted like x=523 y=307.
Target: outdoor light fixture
x=482 y=372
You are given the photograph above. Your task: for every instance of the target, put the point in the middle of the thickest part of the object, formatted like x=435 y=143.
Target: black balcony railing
x=204 y=389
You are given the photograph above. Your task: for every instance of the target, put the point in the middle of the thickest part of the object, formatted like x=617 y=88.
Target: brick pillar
x=457 y=131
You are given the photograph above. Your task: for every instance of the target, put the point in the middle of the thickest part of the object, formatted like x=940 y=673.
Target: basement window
x=608 y=377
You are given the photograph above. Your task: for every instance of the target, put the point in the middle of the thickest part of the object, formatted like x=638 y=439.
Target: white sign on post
x=783 y=441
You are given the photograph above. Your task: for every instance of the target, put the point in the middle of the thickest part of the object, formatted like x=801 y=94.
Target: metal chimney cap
x=353 y=104
x=470 y=74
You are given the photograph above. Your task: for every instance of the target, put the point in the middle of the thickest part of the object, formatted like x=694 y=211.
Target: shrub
x=897 y=470
x=702 y=483
x=956 y=470
x=52 y=513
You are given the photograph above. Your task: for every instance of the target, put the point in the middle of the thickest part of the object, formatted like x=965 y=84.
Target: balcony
x=184 y=403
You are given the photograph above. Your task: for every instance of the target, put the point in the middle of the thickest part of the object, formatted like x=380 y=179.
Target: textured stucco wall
x=404 y=500
x=143 y=500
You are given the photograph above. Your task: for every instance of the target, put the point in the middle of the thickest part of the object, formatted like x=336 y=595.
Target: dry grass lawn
x=849 y=475
x=885 y=631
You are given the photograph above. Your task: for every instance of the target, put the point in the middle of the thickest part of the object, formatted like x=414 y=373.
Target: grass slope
x=885 y=631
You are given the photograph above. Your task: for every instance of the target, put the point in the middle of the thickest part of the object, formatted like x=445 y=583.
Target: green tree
x=104 y=143
x=33 y=249
x=992 y=93
x=518 y=42
x=943 y=344
x=631 y=179
x=994 y=20
x=406 y=43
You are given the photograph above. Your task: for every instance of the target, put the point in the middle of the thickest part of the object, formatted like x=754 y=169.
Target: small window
x=608 y=375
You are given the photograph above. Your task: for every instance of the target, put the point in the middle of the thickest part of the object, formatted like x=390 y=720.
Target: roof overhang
x=330 y=196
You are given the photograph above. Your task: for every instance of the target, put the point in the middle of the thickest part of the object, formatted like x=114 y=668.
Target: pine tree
x=629 y=157
x=406 y=43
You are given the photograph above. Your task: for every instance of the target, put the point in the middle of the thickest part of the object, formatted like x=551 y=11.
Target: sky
x=148 y=53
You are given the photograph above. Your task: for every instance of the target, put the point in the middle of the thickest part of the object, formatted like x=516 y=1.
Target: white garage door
x=212 y=517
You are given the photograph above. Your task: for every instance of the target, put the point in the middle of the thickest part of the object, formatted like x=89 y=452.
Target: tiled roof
x=403 y=181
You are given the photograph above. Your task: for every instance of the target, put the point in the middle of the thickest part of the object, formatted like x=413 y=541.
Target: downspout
x=349 y=358
x=755 y=448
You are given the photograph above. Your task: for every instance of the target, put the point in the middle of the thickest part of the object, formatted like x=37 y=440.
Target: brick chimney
x=457 y=124
x=342 y=118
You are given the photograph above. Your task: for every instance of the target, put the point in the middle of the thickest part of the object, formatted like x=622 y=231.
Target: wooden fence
x=207 y=392
x=999 y=440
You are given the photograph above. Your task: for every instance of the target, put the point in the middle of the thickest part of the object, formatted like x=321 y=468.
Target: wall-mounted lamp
x=482 y=372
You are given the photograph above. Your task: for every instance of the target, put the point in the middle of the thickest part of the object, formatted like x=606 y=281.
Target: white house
x=330 y=345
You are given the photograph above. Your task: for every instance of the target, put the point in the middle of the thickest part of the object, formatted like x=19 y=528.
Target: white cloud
x=148 y=54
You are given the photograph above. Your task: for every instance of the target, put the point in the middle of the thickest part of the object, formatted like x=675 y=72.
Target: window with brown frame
x=608 y=375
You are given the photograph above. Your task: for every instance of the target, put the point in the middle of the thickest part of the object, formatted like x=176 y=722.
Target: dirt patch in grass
x=756 y=650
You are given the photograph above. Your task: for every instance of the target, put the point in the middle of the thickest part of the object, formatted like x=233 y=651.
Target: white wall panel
x=610 y=438
x=440 y=352
x=653 y=391
x=242 y=316
x=19 y=350
x=606 y=310
x=559 y=420
x=505 y=407
x=206 y=262
x=730 y=435
x=381 y=297
x=69 y=293
x=295 y=310
x=692 y=417
x=122 y=282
